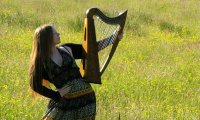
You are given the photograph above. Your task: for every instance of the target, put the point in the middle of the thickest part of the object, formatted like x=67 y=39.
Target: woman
x=73 y=98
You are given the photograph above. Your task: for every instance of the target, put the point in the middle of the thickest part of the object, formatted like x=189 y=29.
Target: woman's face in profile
x=56 y=36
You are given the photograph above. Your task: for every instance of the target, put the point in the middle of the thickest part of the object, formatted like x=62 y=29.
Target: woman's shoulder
x=66 y=49
x=76 y=49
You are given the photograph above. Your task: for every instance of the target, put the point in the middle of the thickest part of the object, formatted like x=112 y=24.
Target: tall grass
x=154 y=73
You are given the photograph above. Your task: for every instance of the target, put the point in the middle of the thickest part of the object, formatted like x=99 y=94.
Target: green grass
x=154 y=73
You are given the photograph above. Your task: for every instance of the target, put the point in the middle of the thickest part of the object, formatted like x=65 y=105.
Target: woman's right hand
x=64 y=90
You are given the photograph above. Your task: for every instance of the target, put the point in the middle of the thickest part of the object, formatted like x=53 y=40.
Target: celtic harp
x=93 y=64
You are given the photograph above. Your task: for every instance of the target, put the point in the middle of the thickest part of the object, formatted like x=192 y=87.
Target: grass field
x=154 y=74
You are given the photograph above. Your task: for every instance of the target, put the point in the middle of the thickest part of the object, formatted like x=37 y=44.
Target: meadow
x=155 y=71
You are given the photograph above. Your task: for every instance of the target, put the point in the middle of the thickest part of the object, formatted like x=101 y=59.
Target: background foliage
x=155 y=71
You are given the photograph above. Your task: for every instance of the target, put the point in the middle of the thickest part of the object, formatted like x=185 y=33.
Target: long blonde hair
x=40 y=56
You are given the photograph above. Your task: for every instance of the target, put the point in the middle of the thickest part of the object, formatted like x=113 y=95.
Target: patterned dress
x=80 y=102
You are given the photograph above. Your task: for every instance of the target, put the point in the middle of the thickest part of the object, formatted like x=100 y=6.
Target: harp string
x=103 y=31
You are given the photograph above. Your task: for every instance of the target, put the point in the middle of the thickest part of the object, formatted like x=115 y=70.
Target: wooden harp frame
x=89 y=67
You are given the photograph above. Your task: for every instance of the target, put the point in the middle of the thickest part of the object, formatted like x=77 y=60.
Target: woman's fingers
x=120 y=36
x=64 y=90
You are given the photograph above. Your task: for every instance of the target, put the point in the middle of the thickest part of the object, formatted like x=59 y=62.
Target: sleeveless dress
x=80 y=102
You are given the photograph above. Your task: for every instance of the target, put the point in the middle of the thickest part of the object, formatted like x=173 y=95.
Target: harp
x=90 y=67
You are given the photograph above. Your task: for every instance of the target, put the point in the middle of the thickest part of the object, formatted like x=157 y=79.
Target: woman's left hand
x=64 y=90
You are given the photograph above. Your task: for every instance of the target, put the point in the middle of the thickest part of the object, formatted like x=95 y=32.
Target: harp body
x=89 y=68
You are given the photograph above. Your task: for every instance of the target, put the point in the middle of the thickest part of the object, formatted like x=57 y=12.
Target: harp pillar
x=89 y=68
